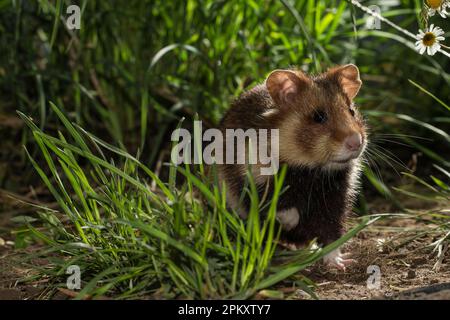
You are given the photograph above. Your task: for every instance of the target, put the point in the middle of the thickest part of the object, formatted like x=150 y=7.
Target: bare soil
x=409 y=268
x=411 y=271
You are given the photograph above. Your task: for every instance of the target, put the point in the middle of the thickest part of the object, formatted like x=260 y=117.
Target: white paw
x=337 y=260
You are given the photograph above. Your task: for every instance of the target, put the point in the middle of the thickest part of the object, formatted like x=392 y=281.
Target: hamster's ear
x=349 y=79
x=285 y=85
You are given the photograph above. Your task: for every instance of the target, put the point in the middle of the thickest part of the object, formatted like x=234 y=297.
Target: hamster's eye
x=352 y=111
x=320 y=116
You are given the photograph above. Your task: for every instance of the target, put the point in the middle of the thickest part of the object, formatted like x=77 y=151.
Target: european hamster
x=322 y=137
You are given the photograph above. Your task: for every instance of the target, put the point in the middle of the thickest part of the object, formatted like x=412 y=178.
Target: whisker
x=374 y=165
x=385 y=158
x=399 y=135
x=393 y=157
x=390 y=141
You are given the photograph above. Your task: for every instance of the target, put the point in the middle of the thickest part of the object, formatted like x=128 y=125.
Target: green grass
x=438 y=190
x=185 y=58
x=132 y=72
x=176 y=240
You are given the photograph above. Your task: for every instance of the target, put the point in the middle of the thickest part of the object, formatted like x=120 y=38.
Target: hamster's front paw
x=337 y=259
x=290 y=245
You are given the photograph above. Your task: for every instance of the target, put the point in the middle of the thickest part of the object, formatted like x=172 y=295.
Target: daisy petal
x=422 y=49
x=436 y=46
x=438 y=31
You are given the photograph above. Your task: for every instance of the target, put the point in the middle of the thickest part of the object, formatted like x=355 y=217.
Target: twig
x=441 y=255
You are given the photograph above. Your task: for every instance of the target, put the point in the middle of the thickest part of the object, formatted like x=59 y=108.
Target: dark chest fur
x=321 y=198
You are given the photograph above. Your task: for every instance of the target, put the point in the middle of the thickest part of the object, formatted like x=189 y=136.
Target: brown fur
x=322 y=194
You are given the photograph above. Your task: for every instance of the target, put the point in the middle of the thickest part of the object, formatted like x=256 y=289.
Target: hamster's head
x=319 y=125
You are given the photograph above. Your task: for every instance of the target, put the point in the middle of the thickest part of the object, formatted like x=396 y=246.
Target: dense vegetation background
x=136 y=67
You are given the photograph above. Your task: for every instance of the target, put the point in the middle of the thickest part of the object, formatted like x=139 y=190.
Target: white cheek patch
x=270 y=112
x=288 y=218
x=343 y=153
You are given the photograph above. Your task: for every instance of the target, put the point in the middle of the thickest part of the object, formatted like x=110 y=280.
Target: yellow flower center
x=429 y=39
x=435 y=4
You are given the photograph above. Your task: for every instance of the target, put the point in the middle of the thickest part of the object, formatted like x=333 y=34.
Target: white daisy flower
x=429 y=40
x=439 y=6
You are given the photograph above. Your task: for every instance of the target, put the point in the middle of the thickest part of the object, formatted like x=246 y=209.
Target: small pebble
x=411 y=274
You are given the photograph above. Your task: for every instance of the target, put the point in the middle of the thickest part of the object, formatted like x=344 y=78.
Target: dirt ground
x=409 y=269
x=412 y=271
x=400 y=247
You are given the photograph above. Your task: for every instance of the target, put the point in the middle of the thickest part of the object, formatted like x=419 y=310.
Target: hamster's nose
x=353 y=142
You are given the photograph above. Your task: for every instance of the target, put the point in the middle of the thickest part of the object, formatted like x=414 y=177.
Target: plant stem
x=378 y=16
x=390 y=23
